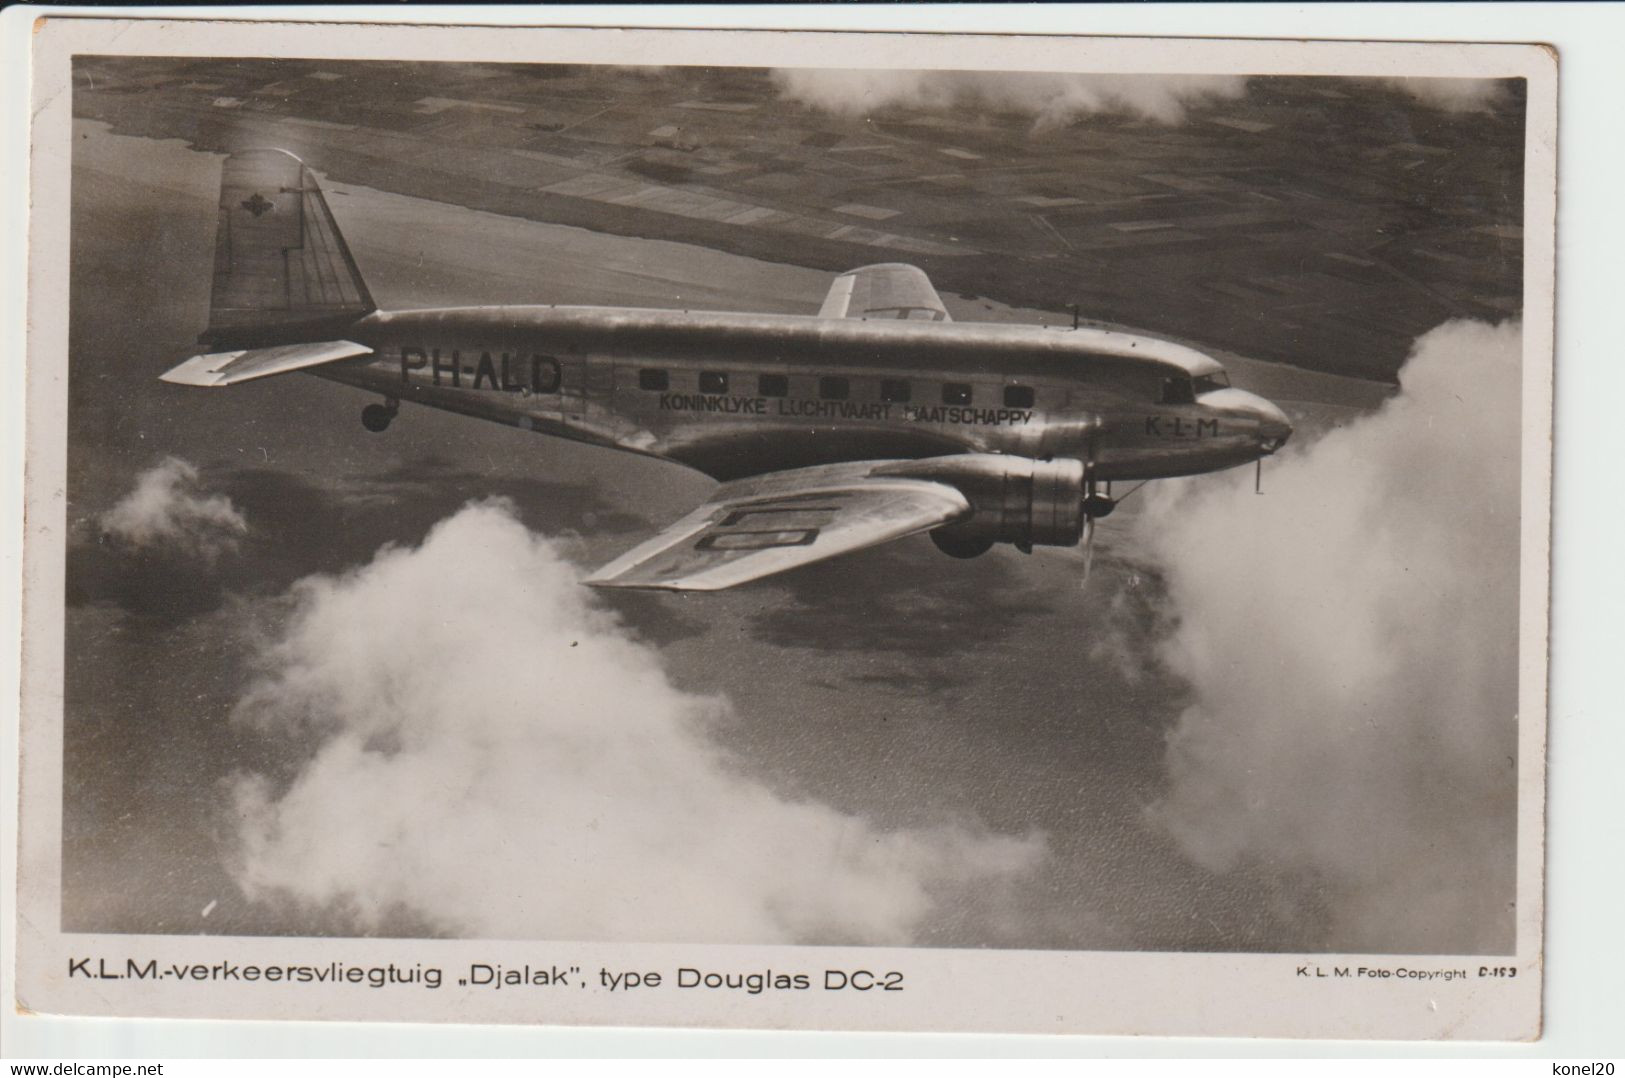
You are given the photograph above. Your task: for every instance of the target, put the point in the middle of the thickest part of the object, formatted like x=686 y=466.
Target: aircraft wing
x=751 y=528
x=887 y=290
x=229 y=368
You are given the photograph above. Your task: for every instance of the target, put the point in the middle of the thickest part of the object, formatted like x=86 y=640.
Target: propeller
x=1094 y=503
x=1088 y=546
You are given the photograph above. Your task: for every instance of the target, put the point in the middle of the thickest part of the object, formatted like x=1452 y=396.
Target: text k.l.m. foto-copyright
x=1399 y=973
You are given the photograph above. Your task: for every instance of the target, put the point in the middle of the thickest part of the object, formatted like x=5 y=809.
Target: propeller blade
x=1091 y=448
x=1088 y=546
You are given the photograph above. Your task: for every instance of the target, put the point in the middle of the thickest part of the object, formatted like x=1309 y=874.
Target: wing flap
x=884 y=291
x=760 y=526
x=229 y=368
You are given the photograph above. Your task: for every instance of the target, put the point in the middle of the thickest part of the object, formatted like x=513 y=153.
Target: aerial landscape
x=323 y=681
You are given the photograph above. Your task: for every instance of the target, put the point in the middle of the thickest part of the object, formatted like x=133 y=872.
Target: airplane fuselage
x=736 y=395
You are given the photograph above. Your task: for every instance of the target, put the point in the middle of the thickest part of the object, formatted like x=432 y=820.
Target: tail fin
x=282 y=272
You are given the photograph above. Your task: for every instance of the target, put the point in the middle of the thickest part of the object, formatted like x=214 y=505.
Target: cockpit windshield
x=1178 y=390
x=1210 y=382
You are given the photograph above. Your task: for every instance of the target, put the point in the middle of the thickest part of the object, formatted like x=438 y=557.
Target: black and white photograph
x=910 y=510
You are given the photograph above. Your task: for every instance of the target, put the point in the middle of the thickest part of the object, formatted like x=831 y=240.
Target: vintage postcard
x=783 y=530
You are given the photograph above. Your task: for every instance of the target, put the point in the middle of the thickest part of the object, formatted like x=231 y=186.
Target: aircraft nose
x=1274 y=428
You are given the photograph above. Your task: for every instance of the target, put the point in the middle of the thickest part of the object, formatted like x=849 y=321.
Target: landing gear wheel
x=957 y=546
x=376 y=417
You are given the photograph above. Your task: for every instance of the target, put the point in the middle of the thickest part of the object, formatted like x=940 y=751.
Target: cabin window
x=955 y=393
x=1018 y=396
x=834 y=388
x=773 y=385
x=1208 y=383
x=1178 y=390
x=713 y=382
x=894 y=390
x=654 y=381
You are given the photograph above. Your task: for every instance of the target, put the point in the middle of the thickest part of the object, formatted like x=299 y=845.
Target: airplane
x=877 y=418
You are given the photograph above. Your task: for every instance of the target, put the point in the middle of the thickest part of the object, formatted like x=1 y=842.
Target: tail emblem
x=257 y=205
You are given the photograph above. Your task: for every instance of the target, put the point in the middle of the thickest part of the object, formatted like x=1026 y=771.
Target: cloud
x=1052 y=99
x=166 y=512
x=1454 y=95
x=497 y=756
x=1351 y=642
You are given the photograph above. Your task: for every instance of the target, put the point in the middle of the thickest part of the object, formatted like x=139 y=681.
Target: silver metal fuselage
x=736 y=395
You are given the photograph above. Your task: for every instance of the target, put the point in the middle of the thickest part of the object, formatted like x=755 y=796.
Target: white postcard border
x=1014 y=990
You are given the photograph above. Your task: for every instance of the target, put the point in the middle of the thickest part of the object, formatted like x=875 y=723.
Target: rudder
x=282 y=271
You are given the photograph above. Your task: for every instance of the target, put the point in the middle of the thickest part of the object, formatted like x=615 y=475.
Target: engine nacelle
x=1013 y=499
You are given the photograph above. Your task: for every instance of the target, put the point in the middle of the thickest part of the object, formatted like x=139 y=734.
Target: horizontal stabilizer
x=229 y=368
